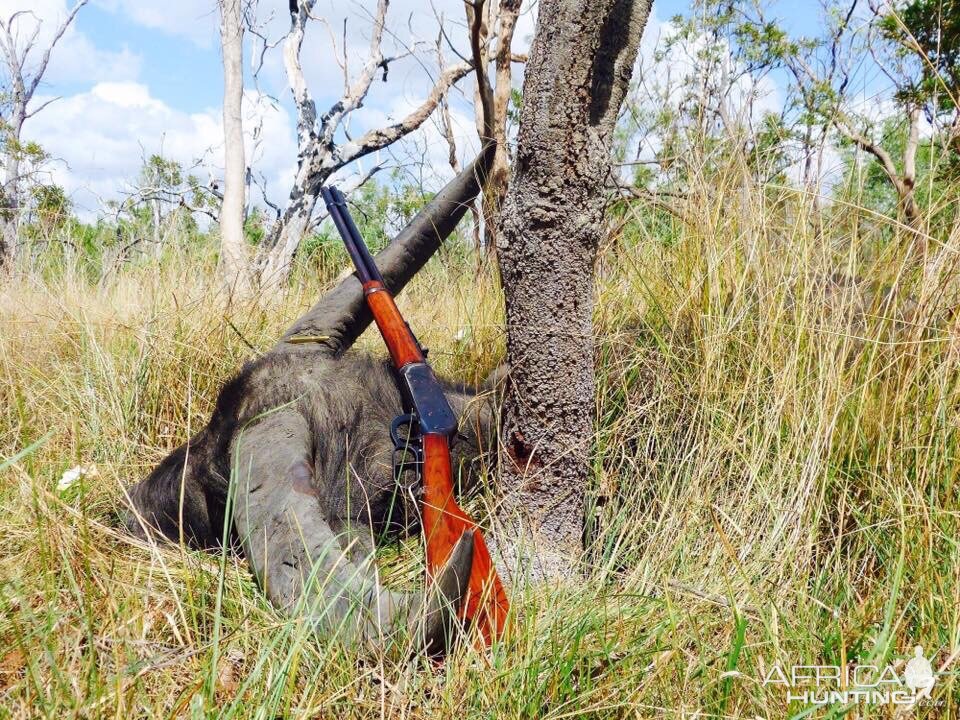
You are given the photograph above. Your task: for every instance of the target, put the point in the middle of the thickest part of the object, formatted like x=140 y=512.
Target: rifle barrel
x=336 y=203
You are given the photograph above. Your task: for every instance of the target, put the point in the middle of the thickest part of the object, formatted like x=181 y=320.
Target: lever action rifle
x=431 y=424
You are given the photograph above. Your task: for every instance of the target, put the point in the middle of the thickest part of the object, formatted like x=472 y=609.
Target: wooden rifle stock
x=444 y=521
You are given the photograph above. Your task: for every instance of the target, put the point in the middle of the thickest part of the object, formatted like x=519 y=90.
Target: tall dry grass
x=776 y=482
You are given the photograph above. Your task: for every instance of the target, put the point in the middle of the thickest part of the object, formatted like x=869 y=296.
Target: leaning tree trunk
x=578 y=73
x=234 y=264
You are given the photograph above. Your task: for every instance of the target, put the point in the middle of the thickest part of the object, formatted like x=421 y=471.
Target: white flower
x=70 y=476
x=919 y=672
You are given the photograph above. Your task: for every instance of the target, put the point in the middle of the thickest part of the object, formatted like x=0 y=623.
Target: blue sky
x=181 y=70
x=142 y=76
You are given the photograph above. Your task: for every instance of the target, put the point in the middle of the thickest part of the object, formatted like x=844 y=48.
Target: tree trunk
x=903 y=183
x=908 y=200
x=234 y=263
x=9 y=217
x=287 y=234
x=157 y=220
x=10 y=202
x=578 y=73
x=491 y=104
x=496 y=188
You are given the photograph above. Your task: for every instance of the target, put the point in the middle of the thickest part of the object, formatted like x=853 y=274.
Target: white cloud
x=75 y=58
x=673 y=71
x=103 y=135
x=410 y=23
x=681 y=69
x=270 y=144
x=875 y=108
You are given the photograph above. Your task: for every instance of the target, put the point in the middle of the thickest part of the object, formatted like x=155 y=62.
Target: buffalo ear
x=497 y=379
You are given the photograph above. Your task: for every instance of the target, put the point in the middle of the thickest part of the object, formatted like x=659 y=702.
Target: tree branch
x=378 y=139
x=478 y=50
x=355 y=94
x=886 y=162
x=45 y=60
x=306 y=108
x=41 y=107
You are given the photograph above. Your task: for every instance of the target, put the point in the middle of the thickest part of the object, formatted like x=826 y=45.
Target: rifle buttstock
x=444 y=521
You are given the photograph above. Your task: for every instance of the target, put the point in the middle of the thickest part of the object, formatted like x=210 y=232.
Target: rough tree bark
x=578 y=73
x=234 y=264
x=23 y=82
x=318 y=157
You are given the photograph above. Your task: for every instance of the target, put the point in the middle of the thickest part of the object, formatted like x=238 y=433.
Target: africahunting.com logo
x=859 y=684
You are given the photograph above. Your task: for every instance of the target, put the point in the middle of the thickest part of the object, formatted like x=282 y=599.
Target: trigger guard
x=400 y=443
x=405 y=447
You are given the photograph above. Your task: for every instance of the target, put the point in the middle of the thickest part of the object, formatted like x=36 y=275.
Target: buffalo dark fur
x=346 y=406
x=349 y=403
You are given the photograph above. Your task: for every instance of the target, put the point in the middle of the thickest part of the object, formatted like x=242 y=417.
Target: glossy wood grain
x=444 y=521
x=393 y=328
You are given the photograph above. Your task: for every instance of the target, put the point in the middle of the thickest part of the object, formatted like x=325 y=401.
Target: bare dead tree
x=488 y=21
x=234 y=264
x=577 y=76
x=446 y=128
x=318 y=154
x=824 y=84
x=23 y=83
